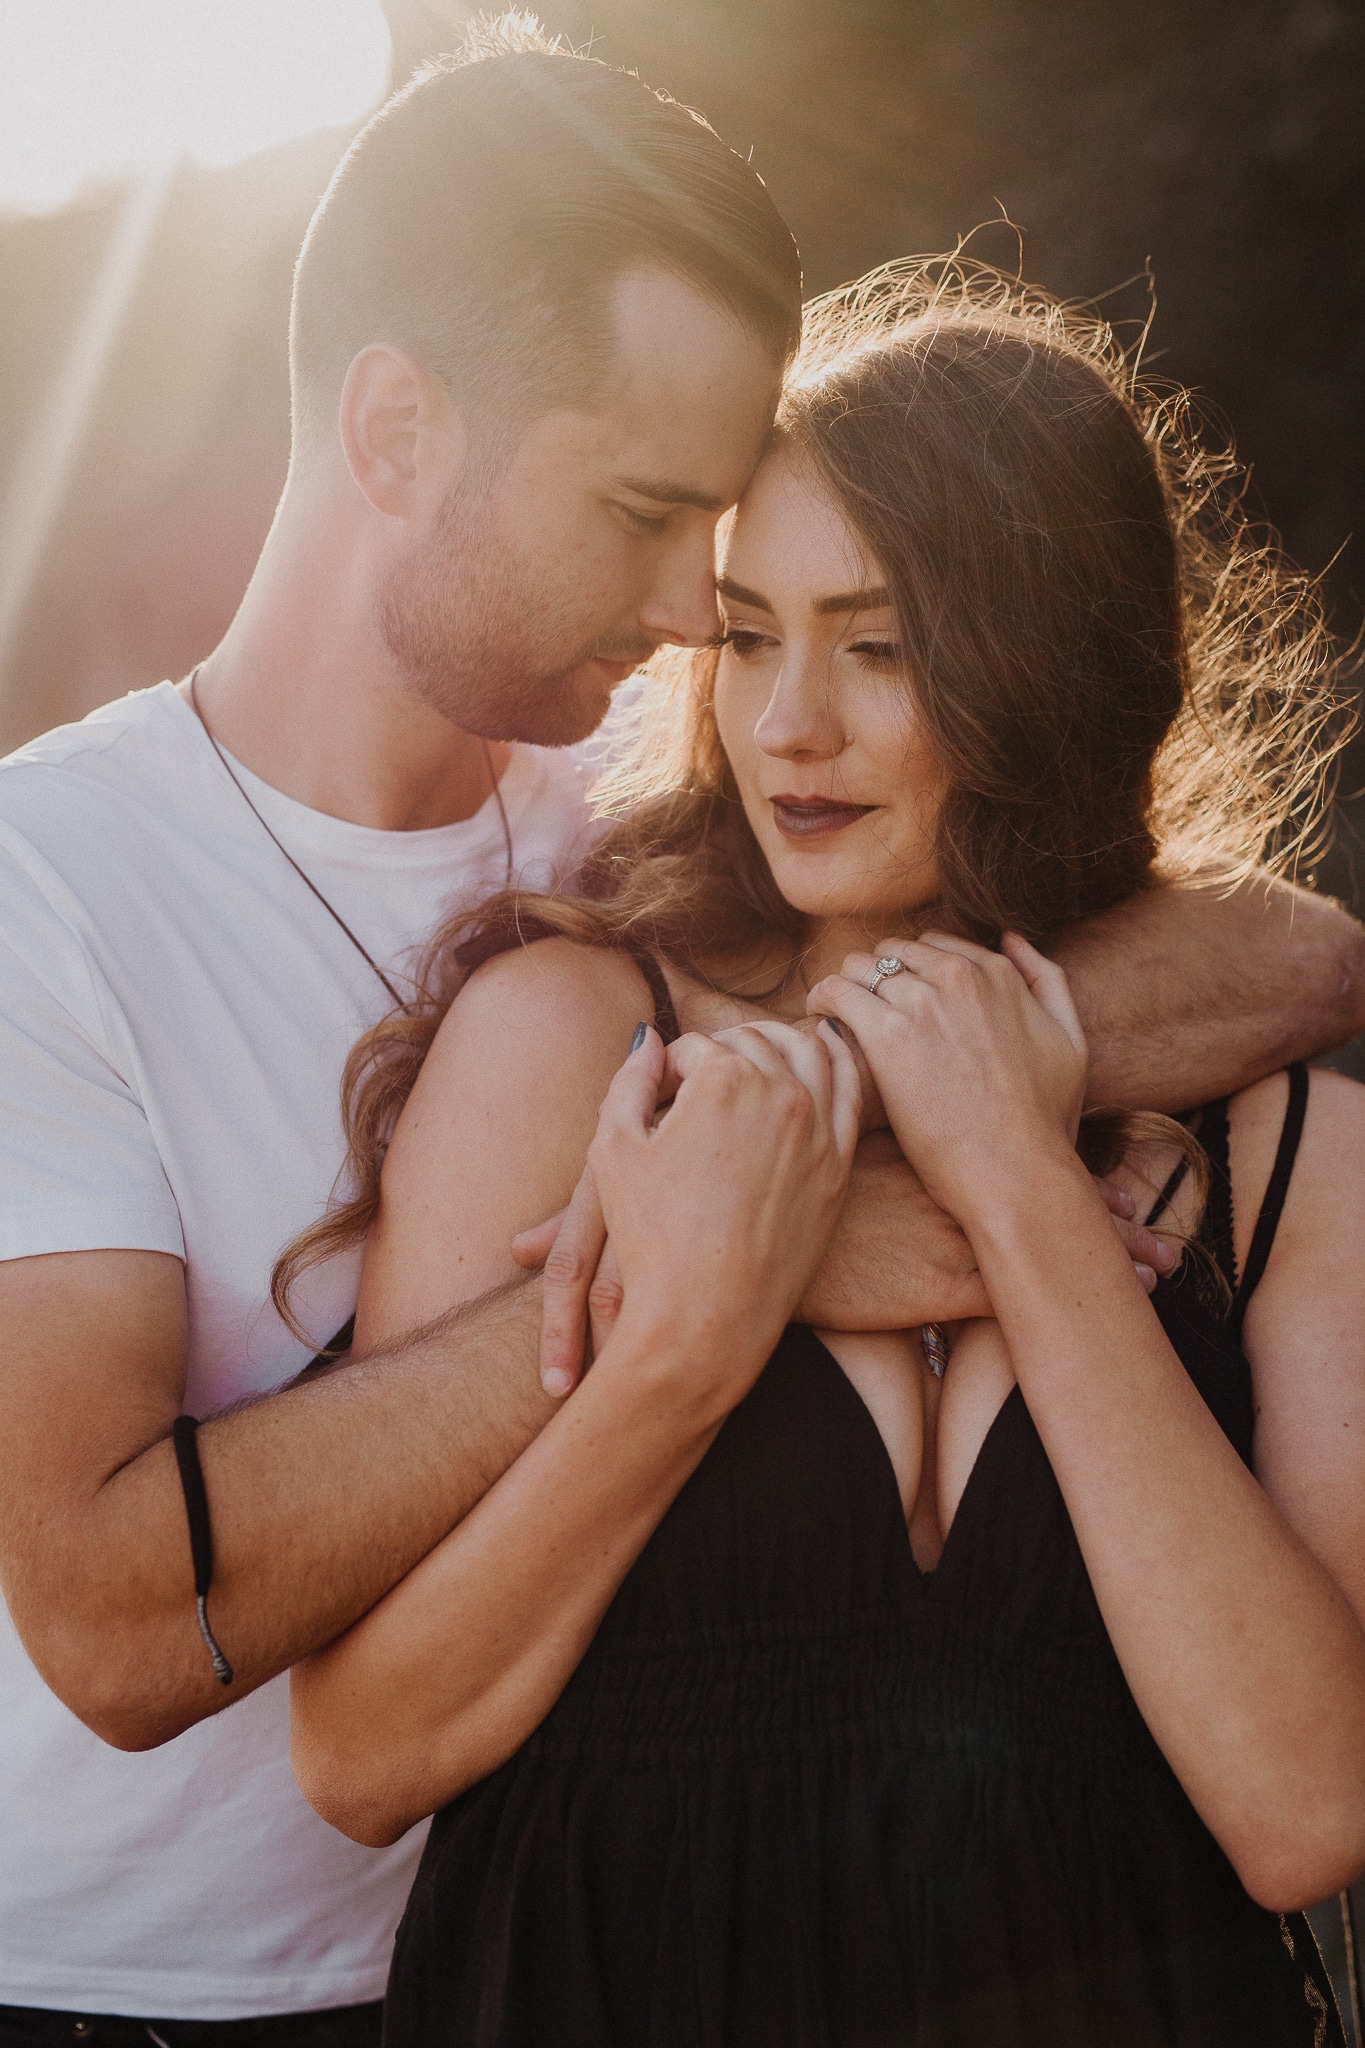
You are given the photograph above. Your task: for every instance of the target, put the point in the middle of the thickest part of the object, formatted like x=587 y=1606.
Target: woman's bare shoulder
x=546 y=999
x=496 y=1129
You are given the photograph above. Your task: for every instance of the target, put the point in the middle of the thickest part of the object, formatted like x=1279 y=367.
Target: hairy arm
x=321 y=1495
x=1187 y=994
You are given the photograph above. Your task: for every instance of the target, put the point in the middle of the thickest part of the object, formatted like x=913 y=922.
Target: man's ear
x=403 y=439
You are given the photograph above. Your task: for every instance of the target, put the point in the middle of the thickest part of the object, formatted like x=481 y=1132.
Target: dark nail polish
x=638 y=1040
x=835 y=1025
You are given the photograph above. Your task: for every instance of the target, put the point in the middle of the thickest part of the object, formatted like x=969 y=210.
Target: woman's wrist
x=679 y=1374
x=1039 y=1222
x=1007 y=1179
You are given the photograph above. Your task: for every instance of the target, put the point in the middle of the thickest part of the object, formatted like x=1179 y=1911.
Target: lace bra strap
x=1215 y=1231
x=1263 y=1237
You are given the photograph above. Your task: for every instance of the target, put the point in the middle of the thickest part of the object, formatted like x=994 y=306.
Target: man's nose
x=681 y=608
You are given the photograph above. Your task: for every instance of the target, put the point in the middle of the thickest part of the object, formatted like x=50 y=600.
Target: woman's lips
x=814 y=817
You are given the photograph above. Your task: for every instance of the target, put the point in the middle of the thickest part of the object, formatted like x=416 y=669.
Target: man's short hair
x=482 y=216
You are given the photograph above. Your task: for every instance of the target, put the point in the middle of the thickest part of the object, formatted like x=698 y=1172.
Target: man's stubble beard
x=477 y=643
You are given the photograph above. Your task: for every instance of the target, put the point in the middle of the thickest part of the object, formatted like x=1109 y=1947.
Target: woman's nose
x=801 y=719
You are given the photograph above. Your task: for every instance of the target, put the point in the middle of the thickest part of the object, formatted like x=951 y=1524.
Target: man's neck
x=303 y=692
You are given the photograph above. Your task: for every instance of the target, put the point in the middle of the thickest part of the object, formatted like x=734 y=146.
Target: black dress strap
x=1263 y=1236
x=665 y=1016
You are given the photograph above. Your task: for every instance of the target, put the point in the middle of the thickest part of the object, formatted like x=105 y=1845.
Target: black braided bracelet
x=201 y=1536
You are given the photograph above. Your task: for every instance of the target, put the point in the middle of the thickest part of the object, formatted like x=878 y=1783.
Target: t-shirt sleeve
x=79 y=1169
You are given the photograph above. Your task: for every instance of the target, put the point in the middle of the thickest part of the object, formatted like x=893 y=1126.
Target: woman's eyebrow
x=738 y=592
x=874 y=600
x=853 y=601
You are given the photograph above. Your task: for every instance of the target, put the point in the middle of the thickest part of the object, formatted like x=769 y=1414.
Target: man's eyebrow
x=672 y=494
x=666 y=493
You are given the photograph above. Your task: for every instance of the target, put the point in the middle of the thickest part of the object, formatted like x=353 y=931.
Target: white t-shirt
x=175 y=1009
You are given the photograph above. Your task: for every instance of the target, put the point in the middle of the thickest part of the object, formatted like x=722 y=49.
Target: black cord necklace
x=307 y=880
x=183 y=1432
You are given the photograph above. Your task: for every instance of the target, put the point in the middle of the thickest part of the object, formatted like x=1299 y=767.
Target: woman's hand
x=720 y=1210
x=979 y=1058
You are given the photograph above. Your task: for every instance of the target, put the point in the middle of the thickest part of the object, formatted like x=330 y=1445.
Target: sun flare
x=93 y=89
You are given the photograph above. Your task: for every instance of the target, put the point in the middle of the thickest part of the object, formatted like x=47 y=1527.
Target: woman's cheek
x=737 y=714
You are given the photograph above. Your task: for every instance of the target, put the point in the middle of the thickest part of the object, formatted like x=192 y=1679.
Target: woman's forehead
x=790 y=536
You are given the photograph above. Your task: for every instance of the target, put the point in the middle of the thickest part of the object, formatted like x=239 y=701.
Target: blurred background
x=159 y=160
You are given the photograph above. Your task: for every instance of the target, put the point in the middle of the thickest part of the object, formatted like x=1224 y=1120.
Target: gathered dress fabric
x=801 y=1794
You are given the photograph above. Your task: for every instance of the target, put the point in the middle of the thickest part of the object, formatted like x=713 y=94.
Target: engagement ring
x=885 y=968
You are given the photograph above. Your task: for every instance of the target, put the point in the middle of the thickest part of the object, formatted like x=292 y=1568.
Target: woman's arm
x=499 y=1121
x=1304 y=1332
x=717 y=1217
x=1224 y=1604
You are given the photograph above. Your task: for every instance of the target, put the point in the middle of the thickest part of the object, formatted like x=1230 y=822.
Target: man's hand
x=895 y=1261
x=581 y=1285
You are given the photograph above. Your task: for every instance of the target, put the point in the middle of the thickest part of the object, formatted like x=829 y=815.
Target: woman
x=1024 y=1706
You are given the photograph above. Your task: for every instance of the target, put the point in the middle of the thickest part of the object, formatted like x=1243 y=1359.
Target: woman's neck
x=830 y=941
x=774 y=981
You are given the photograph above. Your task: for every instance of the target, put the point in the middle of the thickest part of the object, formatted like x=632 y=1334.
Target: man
x=539 y=326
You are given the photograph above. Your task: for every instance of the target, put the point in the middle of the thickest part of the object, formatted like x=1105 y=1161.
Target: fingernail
x=638 y=1040
x=835 y=1025
x=1165 y=1255
x=556 y=1382
x=1126 y=1203
x=1146 y=1276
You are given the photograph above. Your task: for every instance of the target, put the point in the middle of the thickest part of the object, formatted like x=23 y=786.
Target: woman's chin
x=837 y=902
x=825 y=889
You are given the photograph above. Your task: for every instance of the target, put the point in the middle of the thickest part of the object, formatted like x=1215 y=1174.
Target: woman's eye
x=642 y=522
x=885 y=653
x=742 y=641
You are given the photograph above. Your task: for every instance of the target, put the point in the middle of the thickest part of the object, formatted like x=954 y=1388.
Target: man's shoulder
x=126 y=741
x=83 y=804
x=75 y=778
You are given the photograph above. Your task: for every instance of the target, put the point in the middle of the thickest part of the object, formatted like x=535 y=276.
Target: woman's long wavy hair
x=1124 y=679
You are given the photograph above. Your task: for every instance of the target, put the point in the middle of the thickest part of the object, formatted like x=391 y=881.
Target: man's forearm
x=1187 y=994
x=417 y=1435
x=895 y=1259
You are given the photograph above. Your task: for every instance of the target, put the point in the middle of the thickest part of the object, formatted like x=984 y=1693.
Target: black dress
x=800 y=1794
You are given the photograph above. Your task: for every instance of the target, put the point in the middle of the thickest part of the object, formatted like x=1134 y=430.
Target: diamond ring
x=884 y=969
